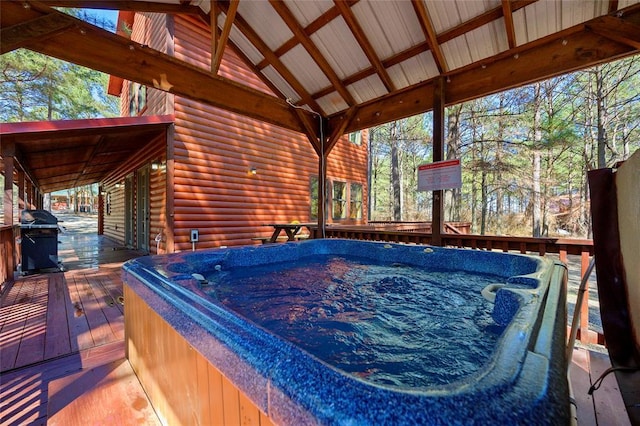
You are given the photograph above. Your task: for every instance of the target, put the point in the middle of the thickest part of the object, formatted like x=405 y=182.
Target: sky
x=110 y=15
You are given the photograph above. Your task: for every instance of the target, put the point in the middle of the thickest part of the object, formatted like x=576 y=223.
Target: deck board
x=580 y=382
x=78 y=323
x=31 y=347
x=109 y=392
x=58 y=341
x=607 y=399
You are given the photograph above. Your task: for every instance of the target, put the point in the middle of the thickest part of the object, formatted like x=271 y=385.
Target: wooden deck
x=62 y=352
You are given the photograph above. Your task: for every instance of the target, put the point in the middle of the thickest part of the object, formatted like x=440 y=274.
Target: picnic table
x=291 y=230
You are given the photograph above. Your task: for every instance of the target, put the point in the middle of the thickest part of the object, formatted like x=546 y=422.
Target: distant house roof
x=70 y=153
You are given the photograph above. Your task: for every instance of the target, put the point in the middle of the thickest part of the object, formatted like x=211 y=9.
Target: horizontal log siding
x=193 y=45
x=156 y=37
x=157 y=209
x=215 y=149
x=114 y=217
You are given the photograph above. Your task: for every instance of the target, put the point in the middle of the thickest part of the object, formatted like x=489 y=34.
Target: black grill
x=39 y=236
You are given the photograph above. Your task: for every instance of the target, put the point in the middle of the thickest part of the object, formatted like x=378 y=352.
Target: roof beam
x=314 y=26
x=429 y=33
x=101 y=50
x=286 y=15
x=508 y=23
x=18 y=35
x=454 y=32
x=221 y=41
x=132 y=5
x=275 y=62
x=570 y=50
x=363 y=41
x=478 y=21
x=617 y=29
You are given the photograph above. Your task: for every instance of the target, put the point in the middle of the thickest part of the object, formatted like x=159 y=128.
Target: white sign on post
x=440 y=175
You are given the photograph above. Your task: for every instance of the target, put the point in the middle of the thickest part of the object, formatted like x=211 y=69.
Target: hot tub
x=200 y=335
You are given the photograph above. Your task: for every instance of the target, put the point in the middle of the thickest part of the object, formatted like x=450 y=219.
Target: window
x=339 y=200
x=137 y=98
x=355 y=201
x=346 y=199
x=355 y=138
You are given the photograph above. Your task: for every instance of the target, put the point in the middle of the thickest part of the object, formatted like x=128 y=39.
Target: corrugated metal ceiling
x=393 y=28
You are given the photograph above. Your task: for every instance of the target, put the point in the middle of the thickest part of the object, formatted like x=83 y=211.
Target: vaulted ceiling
x=356 y=63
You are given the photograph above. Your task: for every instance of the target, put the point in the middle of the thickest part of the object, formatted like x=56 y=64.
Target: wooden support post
x=8 y=151
x=584 y=309
x=437 y=212
x=322 y=193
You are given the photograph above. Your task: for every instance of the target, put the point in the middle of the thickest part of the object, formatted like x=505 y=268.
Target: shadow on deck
x=62 y=357
x=62 y=338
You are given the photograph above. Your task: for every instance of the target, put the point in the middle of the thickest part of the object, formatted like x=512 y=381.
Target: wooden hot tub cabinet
x=183 y=387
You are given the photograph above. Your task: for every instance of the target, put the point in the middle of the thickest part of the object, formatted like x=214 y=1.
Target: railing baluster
x=584 y=309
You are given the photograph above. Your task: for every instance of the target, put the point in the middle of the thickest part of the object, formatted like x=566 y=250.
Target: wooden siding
x=114 y=212
x=114 y=222
x=206 y=184
x=158 y=207
x=182 y=385
x=214 y=151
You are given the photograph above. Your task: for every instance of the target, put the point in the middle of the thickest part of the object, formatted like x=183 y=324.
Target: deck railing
x=8 y=254
x=526 y=245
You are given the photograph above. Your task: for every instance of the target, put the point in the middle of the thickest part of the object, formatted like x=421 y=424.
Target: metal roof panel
x=391 y=27
x=245 y=45
x=366 y=89
x=266 y=22
x=413 y=70
x=302 y=65
x=332 y=103
x=274 y=77
x=347 y=60
x=308 y=11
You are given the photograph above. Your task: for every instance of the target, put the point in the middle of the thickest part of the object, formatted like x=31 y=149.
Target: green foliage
x=571 y=123
x=35 y=87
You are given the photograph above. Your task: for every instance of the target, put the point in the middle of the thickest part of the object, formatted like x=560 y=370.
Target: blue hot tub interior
x=522 y=381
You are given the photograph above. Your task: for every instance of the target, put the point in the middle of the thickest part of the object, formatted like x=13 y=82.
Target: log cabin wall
x=205 y=180
x=215 y=151
x=125 y=179
x=113 y=200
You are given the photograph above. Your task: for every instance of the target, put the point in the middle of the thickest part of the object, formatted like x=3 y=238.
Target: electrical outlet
x=194 y=235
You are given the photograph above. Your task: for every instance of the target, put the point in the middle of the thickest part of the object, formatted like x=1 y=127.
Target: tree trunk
x=536 y=213
x=602 y=133
x=452 y=196
x=396 y=173
x=499 y=165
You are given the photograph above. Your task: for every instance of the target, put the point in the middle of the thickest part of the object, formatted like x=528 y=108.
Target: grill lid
x=38 y=217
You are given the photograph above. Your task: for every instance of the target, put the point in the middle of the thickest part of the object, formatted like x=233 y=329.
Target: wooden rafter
x=221 y=41
x=242 y=57
x=312 y=129
x=95 y=48
x=508 y=23
x=134 y=5
x=286 y=15
x=44 y=26
x=322 y=20
x=214 y=13
x=275 y=62
x=617 y=29
x=573 y=49
x=429 y=33
x=613 y=5
x=448 y=35
x=365 y=45
x=339 y=130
